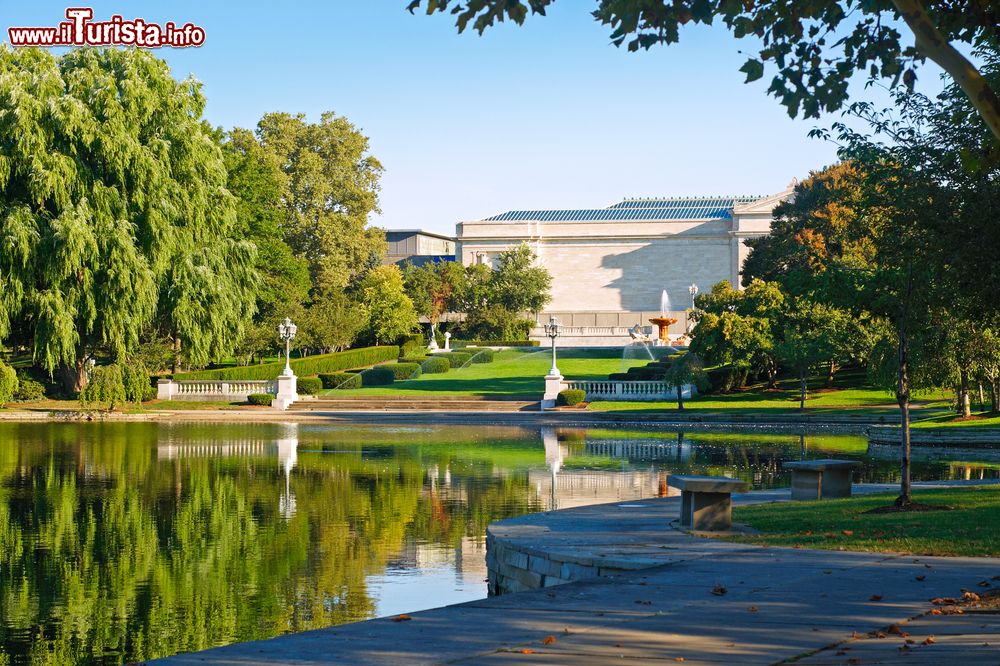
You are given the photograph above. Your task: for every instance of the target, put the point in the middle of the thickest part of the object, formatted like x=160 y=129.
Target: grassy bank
x=969 y=529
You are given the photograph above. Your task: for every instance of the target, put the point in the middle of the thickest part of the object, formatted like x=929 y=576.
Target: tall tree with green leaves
x=113 y=208
x=390 y=311
x=814 y=46
x=329 y=189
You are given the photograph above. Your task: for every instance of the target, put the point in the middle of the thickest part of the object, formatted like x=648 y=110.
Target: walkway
x=691 y=600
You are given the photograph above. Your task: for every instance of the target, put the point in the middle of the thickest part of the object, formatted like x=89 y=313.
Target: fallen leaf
x=753 y=609
x=983 y=583
x=894 y=629
x=678 y=658
x=527 y=651
x=848 y=532
x=935 y=611
x=921 y=577
x=548 y=640
x=875 y=597
x=719 y=590
x=839 y=653
x=928 y=640
x=910 y=641
x=970 y=596
x=853 y=660
x=880 y=634
x=402 y=618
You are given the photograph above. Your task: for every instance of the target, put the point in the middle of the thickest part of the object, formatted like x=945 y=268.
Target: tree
x=114 y=210
x=333 y=321
x=815 y=47
x=807 y=339
x=433 y=287
x=495 y=301
x=330 y=187
x=688 y=369
x=390 y=311
x=8 y=383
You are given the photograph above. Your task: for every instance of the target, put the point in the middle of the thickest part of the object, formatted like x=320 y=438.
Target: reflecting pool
x=127 y=541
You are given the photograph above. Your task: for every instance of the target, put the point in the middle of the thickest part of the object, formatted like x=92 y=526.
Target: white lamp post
x=693 y=290
x=552 y=330
x=286 y=331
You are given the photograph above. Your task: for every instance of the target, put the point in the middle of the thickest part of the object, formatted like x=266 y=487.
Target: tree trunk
x=995 y=396
x=903 y=398
x=680 y=398
x=831 y=371
x=177 y=356
x=802 y=390
x=964 y=406
x=982 y=399
x=74 y=375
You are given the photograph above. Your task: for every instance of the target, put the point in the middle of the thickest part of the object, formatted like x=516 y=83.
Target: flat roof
x=421 y=232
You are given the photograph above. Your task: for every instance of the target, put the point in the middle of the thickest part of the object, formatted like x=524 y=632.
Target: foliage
x=28 y=390
x=380 y=375
x=456 y=359
x=309 y=385
x=433 y=286
x=412 y=345
x=331 y=323
x=461 y=344
x=260 y=399
x=495 y=300
x=136 y=382
x=115 y=214
x=8 y=383
x=352 y=358
x=570 y=397
x=106 y=386
x=390 y=312
x=481 y=355
x=687 y=369
x=815 y=48
x=402 y=370
x=435 y=365
x=340 y=380
x=329 y=189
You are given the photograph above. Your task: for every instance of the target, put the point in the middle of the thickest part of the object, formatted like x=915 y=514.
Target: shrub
x=340 y=380
x=28 y=390
x=458 y=344
x=619 y=377
x=260 y=399
x=8 y=383
x=416 y=358
x=645 y=373
x=570 y=397
x=313 y=365
x=482 y=356
x=136 y=382
x=456 y=359
x=309 y=385
x=106 y=385
x=380 y=375
x=722 y=380
x=435 y=365
x=412 y=345
x=401 y=370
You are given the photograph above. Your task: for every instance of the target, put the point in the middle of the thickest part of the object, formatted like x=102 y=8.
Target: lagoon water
x=127 y=541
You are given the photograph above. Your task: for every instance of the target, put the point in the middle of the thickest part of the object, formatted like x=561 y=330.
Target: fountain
x=663 y=322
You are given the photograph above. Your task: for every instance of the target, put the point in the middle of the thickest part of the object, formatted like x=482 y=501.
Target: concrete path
x=690 y=600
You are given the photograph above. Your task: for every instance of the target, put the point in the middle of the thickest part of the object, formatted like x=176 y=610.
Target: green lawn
x=511 y=374
x=953 y=421
x=968 y=530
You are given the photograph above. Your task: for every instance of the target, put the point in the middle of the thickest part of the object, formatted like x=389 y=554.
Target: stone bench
x=706 y=502
x=821 y=479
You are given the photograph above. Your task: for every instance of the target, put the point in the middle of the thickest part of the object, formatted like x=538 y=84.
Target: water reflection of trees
x=128 y=541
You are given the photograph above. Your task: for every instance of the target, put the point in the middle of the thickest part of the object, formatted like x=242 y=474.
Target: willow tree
x=114 y=214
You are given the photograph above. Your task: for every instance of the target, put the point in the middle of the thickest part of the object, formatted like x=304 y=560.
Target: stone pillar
x=165 y=389
x=286 y=392
x=553 y=384
x=447 y=341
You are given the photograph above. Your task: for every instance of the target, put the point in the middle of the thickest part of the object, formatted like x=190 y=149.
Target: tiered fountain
x=663 y=322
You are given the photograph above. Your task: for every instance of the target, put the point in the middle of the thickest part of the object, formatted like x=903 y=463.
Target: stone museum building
x=611 y=266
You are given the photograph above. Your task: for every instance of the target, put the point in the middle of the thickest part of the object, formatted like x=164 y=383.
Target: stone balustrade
x=640 y=391
x=231 y=390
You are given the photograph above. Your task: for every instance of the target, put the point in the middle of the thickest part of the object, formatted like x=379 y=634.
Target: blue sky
x=549 y=115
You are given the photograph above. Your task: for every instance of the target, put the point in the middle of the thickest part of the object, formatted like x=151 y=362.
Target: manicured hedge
x=262 y=399
x=340 y=380
x=380 y=375
x=412 y=345
x=435 y=365
x=402 y=371
x=619 y=377
x=456 y=359
x=482 y=356
x=312 y=365
x=416 y=358
x=309 y=385
x=570 y=397
x=495 y=343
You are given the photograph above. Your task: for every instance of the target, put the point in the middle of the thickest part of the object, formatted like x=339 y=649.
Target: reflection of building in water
x=562 y=489
x=641 y=449
x=467 y=560
x=284 y=448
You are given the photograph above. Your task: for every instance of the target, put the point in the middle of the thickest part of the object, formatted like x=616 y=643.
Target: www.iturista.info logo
x=81 y=30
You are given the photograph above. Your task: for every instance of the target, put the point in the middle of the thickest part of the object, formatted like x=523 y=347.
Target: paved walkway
x=696 y=600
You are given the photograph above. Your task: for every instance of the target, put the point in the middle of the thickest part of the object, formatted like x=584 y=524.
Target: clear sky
x=549 y=115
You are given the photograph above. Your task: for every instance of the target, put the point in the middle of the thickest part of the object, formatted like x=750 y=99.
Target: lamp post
x=286 y=331
x=552 y=330
x=693 y=290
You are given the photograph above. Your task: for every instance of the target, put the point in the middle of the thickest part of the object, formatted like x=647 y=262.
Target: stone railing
x=207 y=389
x=592 y=331
x=628 y=390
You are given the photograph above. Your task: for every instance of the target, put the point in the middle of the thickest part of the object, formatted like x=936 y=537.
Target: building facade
x=611 y=266
x=418 y=247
